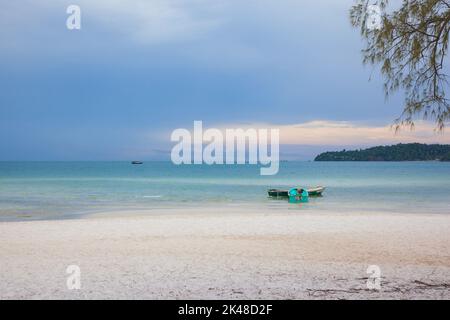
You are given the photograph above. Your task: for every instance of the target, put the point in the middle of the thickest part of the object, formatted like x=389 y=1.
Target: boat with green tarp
x=278 y=193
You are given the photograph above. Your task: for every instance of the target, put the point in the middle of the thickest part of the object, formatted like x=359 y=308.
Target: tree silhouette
x=410 y=44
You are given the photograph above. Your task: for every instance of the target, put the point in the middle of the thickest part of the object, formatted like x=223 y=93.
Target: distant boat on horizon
x=136 y=162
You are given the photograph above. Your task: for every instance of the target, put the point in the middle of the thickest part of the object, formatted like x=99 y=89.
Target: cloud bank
x=347 y=133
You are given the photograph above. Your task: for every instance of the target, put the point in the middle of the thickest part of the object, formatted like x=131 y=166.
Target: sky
x=138 y=69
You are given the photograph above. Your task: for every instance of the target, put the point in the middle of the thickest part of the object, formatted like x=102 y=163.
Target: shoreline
x=211 y=209
x=228 y=253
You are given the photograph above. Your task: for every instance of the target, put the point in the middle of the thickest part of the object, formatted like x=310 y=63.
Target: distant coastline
x=398 y=152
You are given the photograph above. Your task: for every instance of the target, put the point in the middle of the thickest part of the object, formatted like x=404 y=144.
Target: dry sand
x=226 y=254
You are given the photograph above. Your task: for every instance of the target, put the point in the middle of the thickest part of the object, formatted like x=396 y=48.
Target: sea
x=61 y=190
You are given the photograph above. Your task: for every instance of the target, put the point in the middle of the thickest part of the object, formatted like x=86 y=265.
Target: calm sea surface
x=36 y=190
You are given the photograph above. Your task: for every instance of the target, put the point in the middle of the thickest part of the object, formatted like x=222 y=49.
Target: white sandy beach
x=229 y=253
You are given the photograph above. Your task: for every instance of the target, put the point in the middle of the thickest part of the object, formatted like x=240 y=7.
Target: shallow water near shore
x=55 y=190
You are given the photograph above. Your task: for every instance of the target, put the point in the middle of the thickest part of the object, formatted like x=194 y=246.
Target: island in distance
x=398 y=152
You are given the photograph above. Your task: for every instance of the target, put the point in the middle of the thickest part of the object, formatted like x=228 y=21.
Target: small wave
x=157 y=196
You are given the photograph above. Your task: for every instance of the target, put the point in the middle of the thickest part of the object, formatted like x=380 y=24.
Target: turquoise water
x=35 y=190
